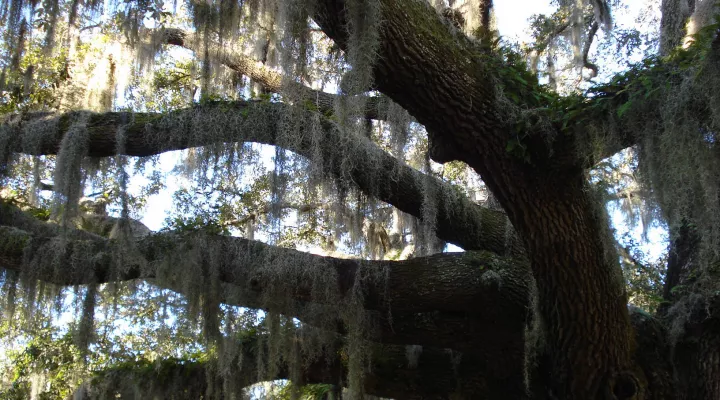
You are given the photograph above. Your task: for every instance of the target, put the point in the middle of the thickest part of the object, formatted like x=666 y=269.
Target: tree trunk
x=580 y=287
x=696 y=353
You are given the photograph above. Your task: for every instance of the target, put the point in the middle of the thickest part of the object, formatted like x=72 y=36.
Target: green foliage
x=34 y=85
x=649 y=80
x=16 y=198
x=49 y=362
x=517 y=82
x=144 y=369
x=306 y=392
x=197 y=223
x=644 y=278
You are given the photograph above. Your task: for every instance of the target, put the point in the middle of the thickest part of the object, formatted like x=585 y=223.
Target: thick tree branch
x=433 y=374
x=452 y=86
x=394 y=372
x=351 y=159
x=270 y=80
x=435 y=295
x=423 y=63
x=447 y=282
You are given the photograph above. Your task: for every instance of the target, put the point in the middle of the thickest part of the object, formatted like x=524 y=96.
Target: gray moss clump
x=413 y=352
x=197 y=267
x=13 y=240
x=678 y=156
x=5 y=149
x=364 y=20
x=68 y=177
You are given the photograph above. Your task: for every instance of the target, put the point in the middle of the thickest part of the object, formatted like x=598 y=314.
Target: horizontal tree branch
x=349 y=158
x=271 y=80
x=474 y=302
x=445 y=300
x=408 y=372
x=394 y=372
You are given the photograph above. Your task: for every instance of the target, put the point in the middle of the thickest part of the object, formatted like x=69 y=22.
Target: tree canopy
x=329 y=152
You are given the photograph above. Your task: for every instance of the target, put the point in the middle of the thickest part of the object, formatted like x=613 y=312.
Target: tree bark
x=421 y=65
x=270 y=80
x=458 y=220
x=433 y=374
x=429 y=374
x=443 y=301
x=696 y=351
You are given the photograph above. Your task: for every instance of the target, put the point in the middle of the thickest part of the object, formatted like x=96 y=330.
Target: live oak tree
x=536 y=307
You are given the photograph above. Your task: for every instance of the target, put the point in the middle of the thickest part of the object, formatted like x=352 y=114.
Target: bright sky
x=512 y=16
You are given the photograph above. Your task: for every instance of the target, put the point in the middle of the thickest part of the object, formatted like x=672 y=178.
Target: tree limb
x=429 y=298
x=391 y=373
x=270 y=80
x=354 y=160
x=423 y=63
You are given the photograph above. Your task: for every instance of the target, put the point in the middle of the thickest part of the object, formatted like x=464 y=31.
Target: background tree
x=362 y=99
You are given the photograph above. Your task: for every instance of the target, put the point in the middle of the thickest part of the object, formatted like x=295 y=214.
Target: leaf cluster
x=56 y=358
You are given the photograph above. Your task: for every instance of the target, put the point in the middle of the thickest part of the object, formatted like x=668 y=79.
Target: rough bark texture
x=581 y=297
x=696 y=353
x=683 y=248
x=593 y=348
x=692 y=309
